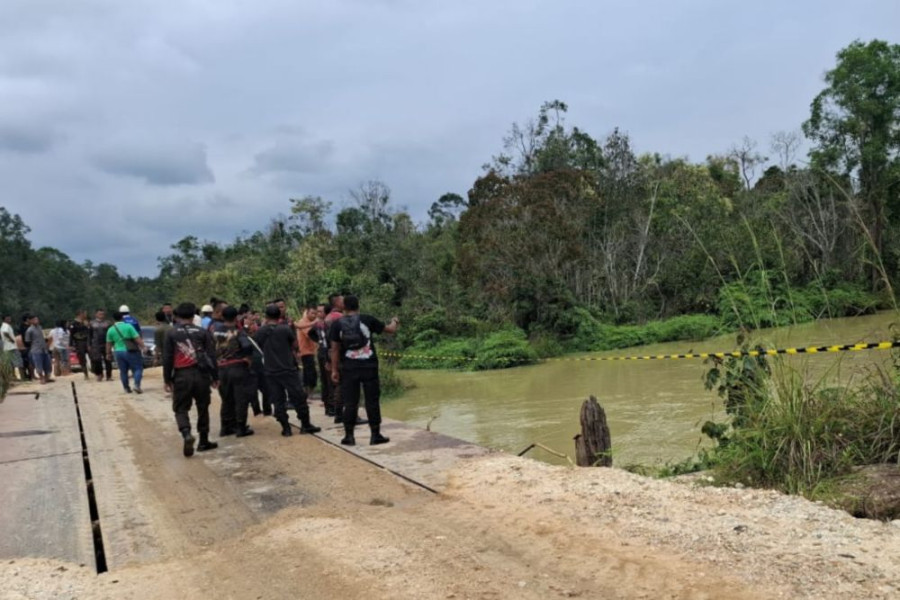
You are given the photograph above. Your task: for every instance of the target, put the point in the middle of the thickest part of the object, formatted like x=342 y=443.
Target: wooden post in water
x=592 y=445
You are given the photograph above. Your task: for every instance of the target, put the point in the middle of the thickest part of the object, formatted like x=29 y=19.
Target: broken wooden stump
x=592 y=445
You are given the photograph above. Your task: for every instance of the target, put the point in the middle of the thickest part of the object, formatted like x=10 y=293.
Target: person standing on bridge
x=335 y=312
x=189 y=370
x=278 y=343
x=10 y=347
x=125 y=344
x=319 y=334
x=237 y=385
x=80 y=339
x=99 y=326
x=128 y=318
x=38 y=349
x=354 y=364
x=308 y=348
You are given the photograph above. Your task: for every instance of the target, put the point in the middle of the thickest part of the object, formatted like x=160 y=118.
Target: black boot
x=377 y=438
x=188 y=442
x=348 y=440
x=308 y=427
x=244 y=431
x=205 y=444
x=286 y=429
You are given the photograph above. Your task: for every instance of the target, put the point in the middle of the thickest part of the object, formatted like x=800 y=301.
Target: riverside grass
x=788 y=429
x=798 y=433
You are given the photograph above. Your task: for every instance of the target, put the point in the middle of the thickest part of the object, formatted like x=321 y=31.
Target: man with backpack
x=354 y=364
x=278 y=343
x=189 y=370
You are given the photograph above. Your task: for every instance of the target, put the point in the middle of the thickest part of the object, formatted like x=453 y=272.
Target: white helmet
x=206 y=308
x=124 y=309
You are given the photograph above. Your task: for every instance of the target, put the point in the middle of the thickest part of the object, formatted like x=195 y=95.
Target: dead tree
x=592 y=445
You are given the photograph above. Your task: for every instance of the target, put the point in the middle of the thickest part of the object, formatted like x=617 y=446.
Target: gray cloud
x=156 y=163
x=26 y=137
x=294 y=156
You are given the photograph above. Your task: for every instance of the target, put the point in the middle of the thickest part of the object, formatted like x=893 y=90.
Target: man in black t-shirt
x=354 y=363
x=279 y=346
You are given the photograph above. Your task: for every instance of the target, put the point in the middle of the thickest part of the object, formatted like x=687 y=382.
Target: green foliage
x=504 y=348
x=592 y=335
x=393 y=384
x=497 y=350
x=854 y=123
x=763 y=300
x=786 y=433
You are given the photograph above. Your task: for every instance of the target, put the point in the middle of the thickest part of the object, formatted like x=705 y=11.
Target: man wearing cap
x=279 y=346
x=127 y=318
x=206 y=316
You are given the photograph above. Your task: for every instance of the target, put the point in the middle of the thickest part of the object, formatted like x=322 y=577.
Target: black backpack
x=352 y=336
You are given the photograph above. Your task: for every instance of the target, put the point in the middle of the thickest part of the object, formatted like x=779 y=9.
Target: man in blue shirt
x=127 y=318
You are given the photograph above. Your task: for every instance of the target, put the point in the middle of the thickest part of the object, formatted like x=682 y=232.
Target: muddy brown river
x=655 y=408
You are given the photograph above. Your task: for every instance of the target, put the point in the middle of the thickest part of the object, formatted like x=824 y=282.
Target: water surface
x=654 y=408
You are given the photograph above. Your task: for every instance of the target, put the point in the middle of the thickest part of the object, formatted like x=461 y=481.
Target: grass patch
x=496 y=350
x=799 y=437
x=393 y=384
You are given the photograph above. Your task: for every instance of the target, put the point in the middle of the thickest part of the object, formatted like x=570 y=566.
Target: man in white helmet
x=206 y=316
x=127 y=318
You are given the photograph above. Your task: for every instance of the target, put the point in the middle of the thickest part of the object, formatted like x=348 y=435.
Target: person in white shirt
x=60 y=337
x=11 y=352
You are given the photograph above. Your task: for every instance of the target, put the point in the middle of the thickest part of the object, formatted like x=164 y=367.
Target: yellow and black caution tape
x=704 y=355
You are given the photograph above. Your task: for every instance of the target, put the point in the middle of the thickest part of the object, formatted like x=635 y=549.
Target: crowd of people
x=268 y=363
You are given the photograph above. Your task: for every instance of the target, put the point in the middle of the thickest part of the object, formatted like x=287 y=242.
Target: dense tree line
x=564 y=234
x=48 y=283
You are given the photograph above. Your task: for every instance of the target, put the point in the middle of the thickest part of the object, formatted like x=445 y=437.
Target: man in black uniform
x=189 y=369
x=99 y=326
x=354 y=363
x=279 y=346
x=237 y=385
x=80 y=339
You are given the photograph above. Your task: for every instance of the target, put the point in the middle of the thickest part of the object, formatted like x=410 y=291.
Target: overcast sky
x=127 y=124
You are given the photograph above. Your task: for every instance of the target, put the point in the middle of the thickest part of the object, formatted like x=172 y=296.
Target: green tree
x=854 y=124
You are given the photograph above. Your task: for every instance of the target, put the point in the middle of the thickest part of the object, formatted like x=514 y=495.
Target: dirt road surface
x=269 y=517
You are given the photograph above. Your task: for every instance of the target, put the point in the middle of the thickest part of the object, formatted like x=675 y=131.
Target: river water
x=655 y=408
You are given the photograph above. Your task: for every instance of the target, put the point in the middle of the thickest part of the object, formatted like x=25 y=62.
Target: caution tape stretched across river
x=734 y=354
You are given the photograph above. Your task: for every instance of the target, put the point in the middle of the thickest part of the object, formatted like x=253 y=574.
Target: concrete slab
x=425 y=457
x=43 y=498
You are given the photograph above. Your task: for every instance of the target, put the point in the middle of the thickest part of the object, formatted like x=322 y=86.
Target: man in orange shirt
x=308 y=348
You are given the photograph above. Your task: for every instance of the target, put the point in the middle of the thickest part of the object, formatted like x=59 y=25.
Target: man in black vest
x=354 y=364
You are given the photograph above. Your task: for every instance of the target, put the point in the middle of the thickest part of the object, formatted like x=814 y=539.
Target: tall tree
x=855 y=123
